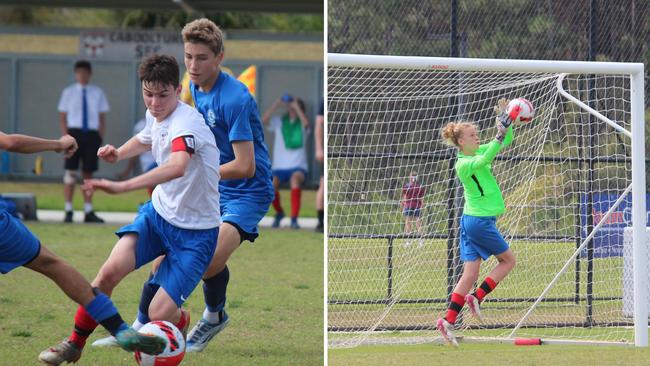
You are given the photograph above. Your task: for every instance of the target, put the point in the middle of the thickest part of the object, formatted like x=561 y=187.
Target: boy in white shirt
x=181 y=221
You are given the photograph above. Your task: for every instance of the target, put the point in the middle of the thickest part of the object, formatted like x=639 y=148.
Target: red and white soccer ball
x=527 y=111
x=174 y=351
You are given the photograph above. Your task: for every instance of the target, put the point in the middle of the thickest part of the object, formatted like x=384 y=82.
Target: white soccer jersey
x=284 y=158
x=190 y=201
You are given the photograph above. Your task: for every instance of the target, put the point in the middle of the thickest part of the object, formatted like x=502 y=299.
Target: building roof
x=275 y=6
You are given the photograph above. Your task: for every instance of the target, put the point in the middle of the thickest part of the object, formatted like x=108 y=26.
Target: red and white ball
x=527 y=111
x=174 y=350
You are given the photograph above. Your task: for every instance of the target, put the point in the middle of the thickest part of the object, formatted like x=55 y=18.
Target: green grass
x=489 y=355
x=358 y=270
x=275 y=301
x=49 y=196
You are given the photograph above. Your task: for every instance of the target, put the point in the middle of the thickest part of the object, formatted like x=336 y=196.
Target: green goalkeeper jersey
x=482 y=194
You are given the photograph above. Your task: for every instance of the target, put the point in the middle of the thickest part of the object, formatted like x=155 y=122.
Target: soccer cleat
x=474 y=306
x=92 y=218
x=294 y=223
x=65 y=351
x=447 y=332
x=131 y=340
x=109 y=341
x=278 y=217
x=203 y=332
x=68 y=217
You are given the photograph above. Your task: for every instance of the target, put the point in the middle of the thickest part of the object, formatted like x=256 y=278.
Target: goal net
x=566 y=180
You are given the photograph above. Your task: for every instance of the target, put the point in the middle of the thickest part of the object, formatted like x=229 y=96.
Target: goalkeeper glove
x=505 y=119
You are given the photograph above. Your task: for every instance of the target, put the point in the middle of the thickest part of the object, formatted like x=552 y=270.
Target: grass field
x=50 y=196
x=275 y=301
x=358 y=271
x=489 y=355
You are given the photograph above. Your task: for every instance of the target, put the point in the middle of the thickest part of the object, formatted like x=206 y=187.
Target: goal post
x=582 y=153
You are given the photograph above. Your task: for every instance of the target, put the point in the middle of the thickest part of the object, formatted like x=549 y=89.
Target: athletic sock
x=183 y=321
x=455 y=306
x=214 y=291
x=486 y=287
x=295 y=202
x=88 y=207
x=276 y=202
x=99 y=310
x=68 y=206
x=321 y=215
x=148 y=292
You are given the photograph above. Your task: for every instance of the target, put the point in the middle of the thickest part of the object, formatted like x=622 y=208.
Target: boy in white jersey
x=183 y=217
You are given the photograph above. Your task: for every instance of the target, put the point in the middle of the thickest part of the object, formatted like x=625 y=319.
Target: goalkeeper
x=479 y=236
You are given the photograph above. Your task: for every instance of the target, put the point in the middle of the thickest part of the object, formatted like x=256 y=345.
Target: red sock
x=455 y=306
x=276 y=202
x=84 y=325
x=184 y=320
x=486 y=287
x=295 y=202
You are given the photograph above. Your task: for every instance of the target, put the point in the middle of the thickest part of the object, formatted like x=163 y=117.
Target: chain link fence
x=597 y=30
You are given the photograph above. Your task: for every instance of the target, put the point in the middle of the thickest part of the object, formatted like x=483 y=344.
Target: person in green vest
x=289 y=157
x=479 y=236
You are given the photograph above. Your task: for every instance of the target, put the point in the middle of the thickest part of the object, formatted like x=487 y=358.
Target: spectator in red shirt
x=412 y=202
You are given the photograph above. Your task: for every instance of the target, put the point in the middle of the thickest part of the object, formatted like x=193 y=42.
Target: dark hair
x=161 y=69
x=83 y=64
x=301 y=104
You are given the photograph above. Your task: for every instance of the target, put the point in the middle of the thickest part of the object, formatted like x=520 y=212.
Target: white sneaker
x=446 y=329
x=474 y=306
x=109 y=341
x=203 y=332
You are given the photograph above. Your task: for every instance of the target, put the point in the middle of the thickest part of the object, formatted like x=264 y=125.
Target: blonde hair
x=453 y=130
x=204 y=31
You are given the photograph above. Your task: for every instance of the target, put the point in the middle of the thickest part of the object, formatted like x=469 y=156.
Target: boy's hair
x=301 y=104
x=452 y=131
x=204 y=31
x=83 y=64
x=159 y=69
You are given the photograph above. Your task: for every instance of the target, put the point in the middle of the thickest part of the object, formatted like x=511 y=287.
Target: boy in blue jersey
x=246 y=185
x=246 y=189
x=19 y=247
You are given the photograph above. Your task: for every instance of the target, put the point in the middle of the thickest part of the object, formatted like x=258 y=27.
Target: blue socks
x=101 y=309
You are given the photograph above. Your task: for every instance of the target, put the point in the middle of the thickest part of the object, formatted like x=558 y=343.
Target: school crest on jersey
x=212 y=118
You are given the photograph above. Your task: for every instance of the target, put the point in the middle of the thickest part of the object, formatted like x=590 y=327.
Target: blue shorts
x=188 y=252
x=415 y=212
x=244 y=212
x=18 y=246
x=284 y=175
x=479 y=237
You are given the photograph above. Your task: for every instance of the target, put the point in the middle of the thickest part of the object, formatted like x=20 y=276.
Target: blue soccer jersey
x=231 y=113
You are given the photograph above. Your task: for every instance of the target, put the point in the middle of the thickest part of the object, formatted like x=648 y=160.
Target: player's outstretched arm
x=131 y=148
x=174 y=167
x=29 y=144
x=243 y=165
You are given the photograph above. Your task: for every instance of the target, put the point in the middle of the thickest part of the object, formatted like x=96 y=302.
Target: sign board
x=608 y=241
x=124 y=44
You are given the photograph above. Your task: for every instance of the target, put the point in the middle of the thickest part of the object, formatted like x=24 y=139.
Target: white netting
x=385 y=123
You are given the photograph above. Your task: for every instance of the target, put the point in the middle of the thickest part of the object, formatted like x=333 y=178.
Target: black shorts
x=89 y=142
